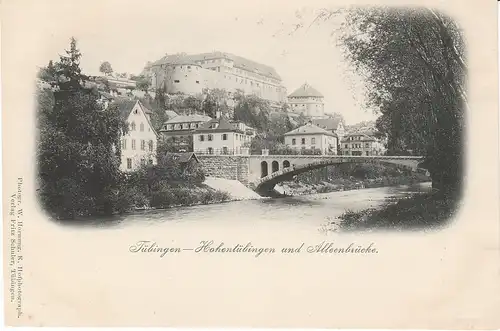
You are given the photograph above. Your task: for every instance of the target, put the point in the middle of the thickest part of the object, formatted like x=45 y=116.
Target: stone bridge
x=263 y=172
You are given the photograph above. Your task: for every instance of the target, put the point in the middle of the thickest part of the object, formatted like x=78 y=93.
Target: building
x=308 y=101
x=139 y=144
x=185 y=160
x=178 y=130
x=361 y=144
x=313 y=139
x=191 y=74
x=335 y=125
x=222 y=136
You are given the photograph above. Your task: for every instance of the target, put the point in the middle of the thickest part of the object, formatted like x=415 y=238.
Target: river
x=311 y=211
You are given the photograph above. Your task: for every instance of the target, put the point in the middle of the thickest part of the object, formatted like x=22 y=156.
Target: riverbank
x=414 y=212
x=295 y=188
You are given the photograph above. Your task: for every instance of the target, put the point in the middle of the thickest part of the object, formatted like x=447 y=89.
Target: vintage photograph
x=352 y=116
x=264 y=164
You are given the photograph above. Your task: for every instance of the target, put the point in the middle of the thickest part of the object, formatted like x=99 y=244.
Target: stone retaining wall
x=226 y=166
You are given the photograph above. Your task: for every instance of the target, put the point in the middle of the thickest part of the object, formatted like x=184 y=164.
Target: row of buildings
x=221 y=136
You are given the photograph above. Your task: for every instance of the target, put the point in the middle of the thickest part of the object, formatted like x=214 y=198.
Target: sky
x=130 y=35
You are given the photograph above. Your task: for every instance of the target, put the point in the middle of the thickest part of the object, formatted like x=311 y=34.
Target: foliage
x=413 y=61
x=143 y=84
x=106 y=68
x=78 y=145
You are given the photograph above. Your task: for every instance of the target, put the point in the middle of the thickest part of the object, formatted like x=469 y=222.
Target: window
x=224 y=136
x=170 y=127
x=346 y=146
x=210 y=150
x=141 y=127
x=132 y=126
x=303 y=141
x=135 y=112
x=197 y=82
x=313 y=141
x=293 y=141
x=176 y=81
x=124 y=144
x=237 y=135
x=202 y=138
x=143 y=145
x=225 y=150
x=129 y=163
x=133 y=144
x=151 y=146
x=210 y=137
x=180 y=126
x=367 y=145
x=143 y=162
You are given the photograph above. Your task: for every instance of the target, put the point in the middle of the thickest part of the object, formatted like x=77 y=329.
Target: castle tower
x=308 y=101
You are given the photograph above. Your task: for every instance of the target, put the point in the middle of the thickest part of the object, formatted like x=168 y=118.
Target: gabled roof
x=327 y=123
x=125 y=106
x=188 y=119
x=183 y=157
x=306 y=90
x=309 y=128
x=238 y=62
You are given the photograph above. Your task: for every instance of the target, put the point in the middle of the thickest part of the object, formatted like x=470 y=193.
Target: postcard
x=291 y=164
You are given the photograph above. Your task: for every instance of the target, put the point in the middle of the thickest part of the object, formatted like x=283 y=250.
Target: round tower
x=184 y=77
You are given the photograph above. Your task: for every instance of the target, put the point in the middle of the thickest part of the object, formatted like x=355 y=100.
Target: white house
x=312 y=138
x=221 y=136
x=362 y=143
x=335 y=125
x=139 y=144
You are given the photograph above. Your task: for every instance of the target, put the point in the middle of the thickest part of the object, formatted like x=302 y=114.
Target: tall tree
x=414 y=66
x=79 y=145
x=106 y=68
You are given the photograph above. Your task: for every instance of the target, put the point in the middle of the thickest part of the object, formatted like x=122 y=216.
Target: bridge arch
x=263 y=169
x=275 y=166
x=267 y=182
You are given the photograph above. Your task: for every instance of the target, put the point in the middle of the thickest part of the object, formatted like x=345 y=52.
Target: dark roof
x=364 y=137
x=183 y=157
x=223 y=126
x=188 y=119
x=327 y=123
x=306 y=90
x=238 y=62
x=125 y=106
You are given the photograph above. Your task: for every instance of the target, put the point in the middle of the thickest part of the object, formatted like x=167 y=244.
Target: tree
x=143 y=84
x=78 y=150
x=414 y=66
x=105 y=68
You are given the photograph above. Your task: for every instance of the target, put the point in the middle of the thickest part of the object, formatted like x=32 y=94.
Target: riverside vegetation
x=345 y=177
